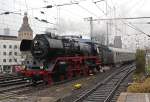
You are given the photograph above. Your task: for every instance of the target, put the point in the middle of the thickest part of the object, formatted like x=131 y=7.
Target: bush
x=140 y=87
x=134 y=88
x=140 y=61
x=138 y=78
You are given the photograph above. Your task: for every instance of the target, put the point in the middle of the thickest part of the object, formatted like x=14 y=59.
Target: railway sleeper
x=94 y=100
x=14 y=83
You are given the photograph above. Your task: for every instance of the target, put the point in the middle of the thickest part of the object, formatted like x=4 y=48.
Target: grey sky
x=71 y=18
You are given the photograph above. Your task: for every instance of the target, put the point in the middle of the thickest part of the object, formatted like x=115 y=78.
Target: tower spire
x=25 y=31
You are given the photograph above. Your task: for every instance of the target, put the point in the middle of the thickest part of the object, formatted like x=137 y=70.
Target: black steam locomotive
x=57 y=58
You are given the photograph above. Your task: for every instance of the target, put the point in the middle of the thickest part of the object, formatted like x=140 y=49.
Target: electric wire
x=87 y=10
x=100 y=9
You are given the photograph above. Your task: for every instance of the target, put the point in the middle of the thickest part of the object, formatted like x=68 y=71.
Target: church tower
x=25 y=31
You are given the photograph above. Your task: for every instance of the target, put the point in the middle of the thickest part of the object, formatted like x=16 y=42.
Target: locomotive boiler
x=45 y=46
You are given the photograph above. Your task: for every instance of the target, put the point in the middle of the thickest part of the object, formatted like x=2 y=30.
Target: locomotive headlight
x=41 y=67
x=28 y=81
x=23 y=67
x=35 y=43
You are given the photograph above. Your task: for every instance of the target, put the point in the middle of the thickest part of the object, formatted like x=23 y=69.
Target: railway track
x=11 y=81
x=14 y=86
x=20 y=84
x=105 y=90
x=11 y=87
x=122 y=88
x=14 y=83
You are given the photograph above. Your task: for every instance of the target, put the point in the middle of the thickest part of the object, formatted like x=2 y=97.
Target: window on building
x=4 y=60
x=28 y=62
x=4 y=53
x=10 y=60
x=4 y=46
x=15 y=47
x=10 y=46
x=34 y=62
x=10 y=53
x=15 y=53
x=15 y=60
x=22 y=63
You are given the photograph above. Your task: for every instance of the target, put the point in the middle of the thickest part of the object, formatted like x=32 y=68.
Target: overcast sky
x=70 y=19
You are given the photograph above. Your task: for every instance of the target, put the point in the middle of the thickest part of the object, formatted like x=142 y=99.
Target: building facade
x=10 y=55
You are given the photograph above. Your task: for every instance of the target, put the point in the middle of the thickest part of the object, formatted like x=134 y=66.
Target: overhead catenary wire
x=51 y=6
x=65 y=4
x=41 y=20
x=131 y=25
x=100 y=9
x=87 y=10
x=137 y=29
x=125 y=18
x=75 y=16
x=45 y=7
x=48 y=6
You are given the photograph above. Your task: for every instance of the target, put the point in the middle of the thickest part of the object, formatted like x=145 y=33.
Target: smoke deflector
x=25 y=45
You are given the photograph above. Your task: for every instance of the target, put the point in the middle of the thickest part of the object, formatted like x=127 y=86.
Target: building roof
x=8 y=37
x=25 y=27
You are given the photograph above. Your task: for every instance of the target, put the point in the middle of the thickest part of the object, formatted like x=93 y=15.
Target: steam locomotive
x=56 y=58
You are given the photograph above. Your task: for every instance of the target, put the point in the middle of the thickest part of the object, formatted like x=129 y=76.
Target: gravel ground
x=64 y=92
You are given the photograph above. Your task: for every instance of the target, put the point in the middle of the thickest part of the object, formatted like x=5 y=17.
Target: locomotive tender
x=57 y=58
